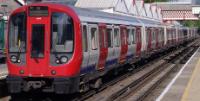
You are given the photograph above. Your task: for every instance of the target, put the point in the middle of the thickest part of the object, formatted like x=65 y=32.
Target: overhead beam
x=20 y=2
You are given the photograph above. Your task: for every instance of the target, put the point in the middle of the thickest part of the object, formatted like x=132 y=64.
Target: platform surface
x=3 y=71
x=185 y=86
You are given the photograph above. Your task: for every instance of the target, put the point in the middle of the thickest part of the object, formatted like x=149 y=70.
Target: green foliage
x=191 y=23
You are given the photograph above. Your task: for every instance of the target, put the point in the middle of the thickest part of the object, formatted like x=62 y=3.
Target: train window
x=94 y=38
x=84 y=43
x=17 y=33
x=116 y=37
x=133 y=36
x=62 y=33
x=129 y=36
x=110 y=38
x=154 y=36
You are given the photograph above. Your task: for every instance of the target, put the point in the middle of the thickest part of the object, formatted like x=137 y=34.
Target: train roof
x=89 y=15
x=95 y=16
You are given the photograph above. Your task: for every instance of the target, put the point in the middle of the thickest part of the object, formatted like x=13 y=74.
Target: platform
x=3 y=71
x=185 y=86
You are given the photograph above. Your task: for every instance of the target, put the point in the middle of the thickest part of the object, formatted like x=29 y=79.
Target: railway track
x=143 y=88
x=132 y=84
x=139 y=84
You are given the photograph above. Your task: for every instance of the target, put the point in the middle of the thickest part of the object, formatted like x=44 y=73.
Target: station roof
x=7 y=6
x=98 y=4
x=174 y=6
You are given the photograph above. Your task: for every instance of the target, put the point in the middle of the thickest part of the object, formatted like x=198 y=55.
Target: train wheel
x=84 y=87
x=98 y=83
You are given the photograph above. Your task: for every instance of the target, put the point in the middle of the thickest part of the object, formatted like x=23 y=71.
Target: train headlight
x=57 y=61
x=13 y=59
x=63 y=59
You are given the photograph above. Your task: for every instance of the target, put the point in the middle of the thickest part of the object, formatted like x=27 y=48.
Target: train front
x=44 y=49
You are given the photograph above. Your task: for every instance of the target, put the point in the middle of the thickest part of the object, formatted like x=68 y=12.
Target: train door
x=131 y=43
x=111 y=55
x=38 y=51
x=86 y=47
x=94 y=46
x=103 y=47
x=124 y=44
x=138 y=42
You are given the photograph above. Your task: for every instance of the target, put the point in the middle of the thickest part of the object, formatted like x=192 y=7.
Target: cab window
x=62 y=33
x=17 y=33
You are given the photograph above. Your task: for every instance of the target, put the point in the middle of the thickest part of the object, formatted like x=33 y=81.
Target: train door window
x=105 y=38
x=116 y=37
x=84 y=43
x=130 y=37
x=62 y=33
x=133 y=35
x=124 y=36
x=38 y=31
x=17 y=33
x=138 y=39
x=161 y=35
x=94 y=40
x=109 y=37
x=154 y=36
x=102 y=37
x=148 y=32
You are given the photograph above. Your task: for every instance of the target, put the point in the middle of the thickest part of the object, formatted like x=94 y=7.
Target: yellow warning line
x=186 y=91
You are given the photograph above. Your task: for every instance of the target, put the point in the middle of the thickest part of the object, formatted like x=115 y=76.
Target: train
x=2 y=39
x=61 y=49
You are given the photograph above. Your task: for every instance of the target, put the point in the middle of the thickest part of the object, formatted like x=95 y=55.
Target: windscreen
x=62 y=33
x=17 y=33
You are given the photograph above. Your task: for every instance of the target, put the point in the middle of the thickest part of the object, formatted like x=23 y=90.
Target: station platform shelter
x=185 y=86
